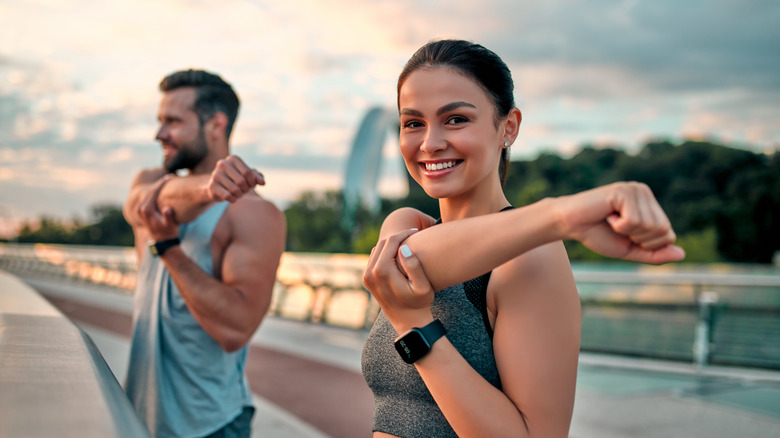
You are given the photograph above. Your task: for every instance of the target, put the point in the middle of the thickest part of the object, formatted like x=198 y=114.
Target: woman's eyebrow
x=453 y=106
x=445 y=109
x=410 y=112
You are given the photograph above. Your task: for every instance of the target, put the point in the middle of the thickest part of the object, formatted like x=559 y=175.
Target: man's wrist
x=158 y=248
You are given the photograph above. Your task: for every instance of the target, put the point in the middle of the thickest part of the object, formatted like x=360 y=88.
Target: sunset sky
x=78 y=81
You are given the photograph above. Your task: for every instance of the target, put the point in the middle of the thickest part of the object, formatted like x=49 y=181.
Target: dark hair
x=476 y=62
x=212 y=94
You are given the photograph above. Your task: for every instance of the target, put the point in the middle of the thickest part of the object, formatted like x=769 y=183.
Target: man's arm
x=249 y=241
x=231 y=306
x=191 y=195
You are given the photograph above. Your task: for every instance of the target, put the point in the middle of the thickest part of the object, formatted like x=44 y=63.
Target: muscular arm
x=186 y=195
x=247 y=245
x=231 y=306
x=191 y=195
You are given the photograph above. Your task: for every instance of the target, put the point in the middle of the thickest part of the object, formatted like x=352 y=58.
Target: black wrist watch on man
x=158 y=248
x=417 y=342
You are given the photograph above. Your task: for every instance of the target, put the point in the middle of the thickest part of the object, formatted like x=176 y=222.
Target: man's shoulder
x=254 y=221
x=253 y=208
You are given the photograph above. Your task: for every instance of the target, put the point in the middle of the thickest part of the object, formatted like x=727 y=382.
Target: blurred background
x=78 y=93
x=682 y=96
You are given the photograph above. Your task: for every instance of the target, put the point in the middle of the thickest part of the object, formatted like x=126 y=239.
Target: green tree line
x=723 y=202
x=106 y=226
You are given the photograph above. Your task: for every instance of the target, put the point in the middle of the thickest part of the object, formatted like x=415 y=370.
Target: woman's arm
x=536 y=343
x=621 y=220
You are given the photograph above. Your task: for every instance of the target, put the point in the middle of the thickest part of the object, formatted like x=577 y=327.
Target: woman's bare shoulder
x=533 y=271
x=404 y=219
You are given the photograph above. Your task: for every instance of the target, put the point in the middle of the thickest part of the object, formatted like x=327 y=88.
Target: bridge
x=304 y=361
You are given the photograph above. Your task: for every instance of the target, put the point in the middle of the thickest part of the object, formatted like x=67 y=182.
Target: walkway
x=307 y=382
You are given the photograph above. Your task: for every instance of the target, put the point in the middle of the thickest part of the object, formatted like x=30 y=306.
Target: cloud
x=78 y=79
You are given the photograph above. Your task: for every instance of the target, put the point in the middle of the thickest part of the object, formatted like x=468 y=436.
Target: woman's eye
x=456 y=120
x=412 y=124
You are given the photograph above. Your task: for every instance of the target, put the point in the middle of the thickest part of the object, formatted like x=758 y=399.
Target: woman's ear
x=512 y=125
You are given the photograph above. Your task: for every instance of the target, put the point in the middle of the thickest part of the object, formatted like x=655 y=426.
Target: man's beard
x=188 y=155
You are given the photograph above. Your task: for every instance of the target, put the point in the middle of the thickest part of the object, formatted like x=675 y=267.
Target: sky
x=79 y=97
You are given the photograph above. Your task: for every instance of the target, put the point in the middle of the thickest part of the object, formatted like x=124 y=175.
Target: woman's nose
x=434 y=141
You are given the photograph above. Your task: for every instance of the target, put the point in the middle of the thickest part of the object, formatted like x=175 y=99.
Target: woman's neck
x=452 y=209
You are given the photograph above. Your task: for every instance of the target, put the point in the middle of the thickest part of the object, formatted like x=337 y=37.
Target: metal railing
x=689 y=314
x=694 y=314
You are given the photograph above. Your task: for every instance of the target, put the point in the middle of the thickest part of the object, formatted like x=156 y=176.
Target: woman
x=494 y=351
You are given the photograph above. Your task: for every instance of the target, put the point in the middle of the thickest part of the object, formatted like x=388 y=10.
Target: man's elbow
x=233 y=340
x=233 y=343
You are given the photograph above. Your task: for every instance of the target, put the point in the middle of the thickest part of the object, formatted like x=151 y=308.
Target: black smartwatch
x=158 y=248
x=417 y=342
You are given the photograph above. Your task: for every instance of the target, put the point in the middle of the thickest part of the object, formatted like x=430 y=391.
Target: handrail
x=670 y=278
x=53 y=380
x=626 y=308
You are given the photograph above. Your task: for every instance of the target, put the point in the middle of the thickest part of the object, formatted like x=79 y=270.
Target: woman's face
x=448 y=138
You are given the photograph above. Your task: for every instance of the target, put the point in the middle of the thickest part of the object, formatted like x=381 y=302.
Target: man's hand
x=231 y=178
x=161 y=224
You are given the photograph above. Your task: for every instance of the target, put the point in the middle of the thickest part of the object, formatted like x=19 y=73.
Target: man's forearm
x=215 y=306
x=187 y=195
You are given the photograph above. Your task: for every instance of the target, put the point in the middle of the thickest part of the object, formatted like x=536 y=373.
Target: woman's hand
x=621 y=220
x=396 y=279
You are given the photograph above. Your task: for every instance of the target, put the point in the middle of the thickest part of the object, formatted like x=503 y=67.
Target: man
x=208 y=248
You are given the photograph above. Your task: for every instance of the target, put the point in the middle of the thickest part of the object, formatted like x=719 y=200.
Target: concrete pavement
x=306 y=378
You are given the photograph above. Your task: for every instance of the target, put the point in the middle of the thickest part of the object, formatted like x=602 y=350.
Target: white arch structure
x=365 y=161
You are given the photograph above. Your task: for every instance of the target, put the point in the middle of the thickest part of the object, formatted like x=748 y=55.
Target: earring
x=506 y=144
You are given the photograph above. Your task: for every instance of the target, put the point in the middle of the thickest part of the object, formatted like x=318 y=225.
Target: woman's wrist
x=406 y=320
x=551 y=223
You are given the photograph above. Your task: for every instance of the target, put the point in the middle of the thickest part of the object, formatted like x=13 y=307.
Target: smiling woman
x=484 y=298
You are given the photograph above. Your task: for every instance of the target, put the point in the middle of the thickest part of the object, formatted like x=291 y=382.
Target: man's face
x=181 y=134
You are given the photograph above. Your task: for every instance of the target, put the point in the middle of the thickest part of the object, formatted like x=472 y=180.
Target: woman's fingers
x=395 y=275
x=382 y=261
x=418 y=281
x=640 y=218
x=668 y=253
x=637 y=228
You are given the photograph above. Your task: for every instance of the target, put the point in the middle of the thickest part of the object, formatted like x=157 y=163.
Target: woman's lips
x=439 y=168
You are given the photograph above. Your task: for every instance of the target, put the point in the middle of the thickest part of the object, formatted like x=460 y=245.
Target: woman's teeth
x=439 y=166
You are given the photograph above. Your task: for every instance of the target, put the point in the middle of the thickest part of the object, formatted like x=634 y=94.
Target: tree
x=107 y=226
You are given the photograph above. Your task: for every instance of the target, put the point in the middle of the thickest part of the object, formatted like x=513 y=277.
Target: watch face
x=412 y=346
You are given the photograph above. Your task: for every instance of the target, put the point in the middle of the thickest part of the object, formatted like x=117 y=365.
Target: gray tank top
x=403 y=406
x=179 y=379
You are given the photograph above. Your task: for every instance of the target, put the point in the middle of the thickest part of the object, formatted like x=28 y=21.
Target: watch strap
x=159 y=248
x=433 y=331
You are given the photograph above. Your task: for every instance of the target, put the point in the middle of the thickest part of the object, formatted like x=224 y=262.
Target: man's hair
x=212 y=94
